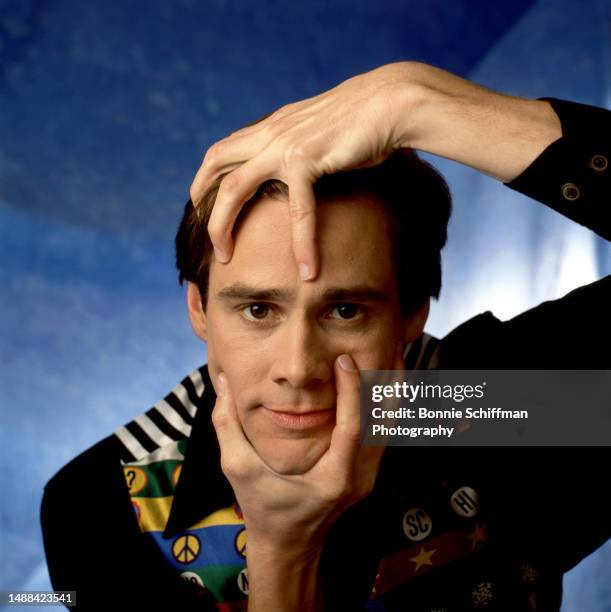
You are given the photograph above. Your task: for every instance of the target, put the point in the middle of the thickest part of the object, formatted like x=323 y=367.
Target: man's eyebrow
x=359 y=293
x=240 y=291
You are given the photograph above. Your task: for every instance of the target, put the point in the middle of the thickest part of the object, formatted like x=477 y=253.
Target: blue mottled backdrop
x=106 y=109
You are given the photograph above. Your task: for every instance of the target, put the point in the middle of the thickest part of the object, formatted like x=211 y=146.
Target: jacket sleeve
x=567 y=513
x=573 y=174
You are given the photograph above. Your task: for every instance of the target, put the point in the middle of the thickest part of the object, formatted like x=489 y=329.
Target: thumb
x=345 y=439
x=236 y=450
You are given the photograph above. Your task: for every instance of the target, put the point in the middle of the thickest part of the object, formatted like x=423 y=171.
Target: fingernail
x=220 y=256
x=346 y=363
x=221 y=384
x=304 y=271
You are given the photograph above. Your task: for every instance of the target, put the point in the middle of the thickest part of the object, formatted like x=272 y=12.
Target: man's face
x=276 y=337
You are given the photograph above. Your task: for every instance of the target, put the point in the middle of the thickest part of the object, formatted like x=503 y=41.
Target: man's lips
x=299 y=420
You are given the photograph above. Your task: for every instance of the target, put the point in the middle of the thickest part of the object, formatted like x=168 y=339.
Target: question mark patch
x=135 y=478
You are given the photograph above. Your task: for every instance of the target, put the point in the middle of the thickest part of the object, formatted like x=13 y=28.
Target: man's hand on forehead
x=298 y=144
x=358 y=124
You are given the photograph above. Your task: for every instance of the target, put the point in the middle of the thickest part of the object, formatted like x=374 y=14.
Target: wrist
x=415 y=105
x=497 y=134
x=285 y=554
x=283 y=580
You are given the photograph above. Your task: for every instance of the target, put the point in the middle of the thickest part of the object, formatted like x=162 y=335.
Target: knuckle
x=282 y=112
x=214 y=231
x=298 y=212
x=234 y=467
x=275 y=115
x=229 y=184
x=220 y=416
x=219 y=420
x=214 y=153
x=193 y=194
x=294 y=153
x=353 y=432
x=227 y=466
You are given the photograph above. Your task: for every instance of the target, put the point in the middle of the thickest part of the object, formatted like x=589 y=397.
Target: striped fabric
x=170 y=419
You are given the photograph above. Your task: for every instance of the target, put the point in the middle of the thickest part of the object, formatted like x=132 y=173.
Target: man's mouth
x=300 y=421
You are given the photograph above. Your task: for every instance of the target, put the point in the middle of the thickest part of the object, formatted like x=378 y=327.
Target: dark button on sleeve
x=570 y=192
x=599 y=163
x=571 y=175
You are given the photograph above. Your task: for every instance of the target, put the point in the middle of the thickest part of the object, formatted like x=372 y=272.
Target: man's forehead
x=338 y=220
x=353 y=239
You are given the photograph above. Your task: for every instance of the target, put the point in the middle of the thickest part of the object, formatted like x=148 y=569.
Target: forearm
x=443 y=114
x=283 y=581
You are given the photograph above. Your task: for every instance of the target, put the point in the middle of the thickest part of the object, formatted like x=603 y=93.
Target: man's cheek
x=215 y=367
x=381 y=358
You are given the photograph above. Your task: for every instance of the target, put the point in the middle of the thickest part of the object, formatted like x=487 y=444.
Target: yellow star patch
x=423 y=558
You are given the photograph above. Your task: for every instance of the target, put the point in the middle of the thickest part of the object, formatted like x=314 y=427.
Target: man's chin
x=292 y=457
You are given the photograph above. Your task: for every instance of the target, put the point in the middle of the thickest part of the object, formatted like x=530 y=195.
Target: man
x=327 y=525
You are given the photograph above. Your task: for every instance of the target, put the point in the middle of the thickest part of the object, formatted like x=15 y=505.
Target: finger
x=239 y=147
x=236 y=450
x=235 y=190
x=302 y=205
x=345 y=439
x=223 y=156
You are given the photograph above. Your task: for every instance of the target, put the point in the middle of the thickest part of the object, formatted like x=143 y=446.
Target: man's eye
x=345 y=311
x=256 y=311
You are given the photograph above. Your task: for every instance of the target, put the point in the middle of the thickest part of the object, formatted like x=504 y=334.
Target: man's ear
x=196 y=311
x=415 y=321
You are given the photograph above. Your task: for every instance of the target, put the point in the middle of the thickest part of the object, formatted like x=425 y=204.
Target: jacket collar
x=202 y=487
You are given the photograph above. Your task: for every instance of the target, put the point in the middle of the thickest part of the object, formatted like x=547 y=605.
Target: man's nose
x=303 y=358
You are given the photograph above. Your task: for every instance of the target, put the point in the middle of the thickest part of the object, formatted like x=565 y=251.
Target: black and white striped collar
x=168 y=421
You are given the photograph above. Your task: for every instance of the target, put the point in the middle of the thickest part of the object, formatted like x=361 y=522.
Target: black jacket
x=547 y=507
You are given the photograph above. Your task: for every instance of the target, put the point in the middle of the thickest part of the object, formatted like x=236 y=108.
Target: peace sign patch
x=185 y=548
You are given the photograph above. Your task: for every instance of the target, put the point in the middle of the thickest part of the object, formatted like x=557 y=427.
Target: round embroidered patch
x=185 y=548
x=194 y=579
x=417 y=524
x=465 y=502
x=243 y=581
x=135 y=478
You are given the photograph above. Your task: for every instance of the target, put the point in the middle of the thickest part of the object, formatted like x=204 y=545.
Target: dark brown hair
x=417 y=201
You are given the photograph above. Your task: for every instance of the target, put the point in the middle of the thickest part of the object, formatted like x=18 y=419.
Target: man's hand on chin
x=288 y=516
